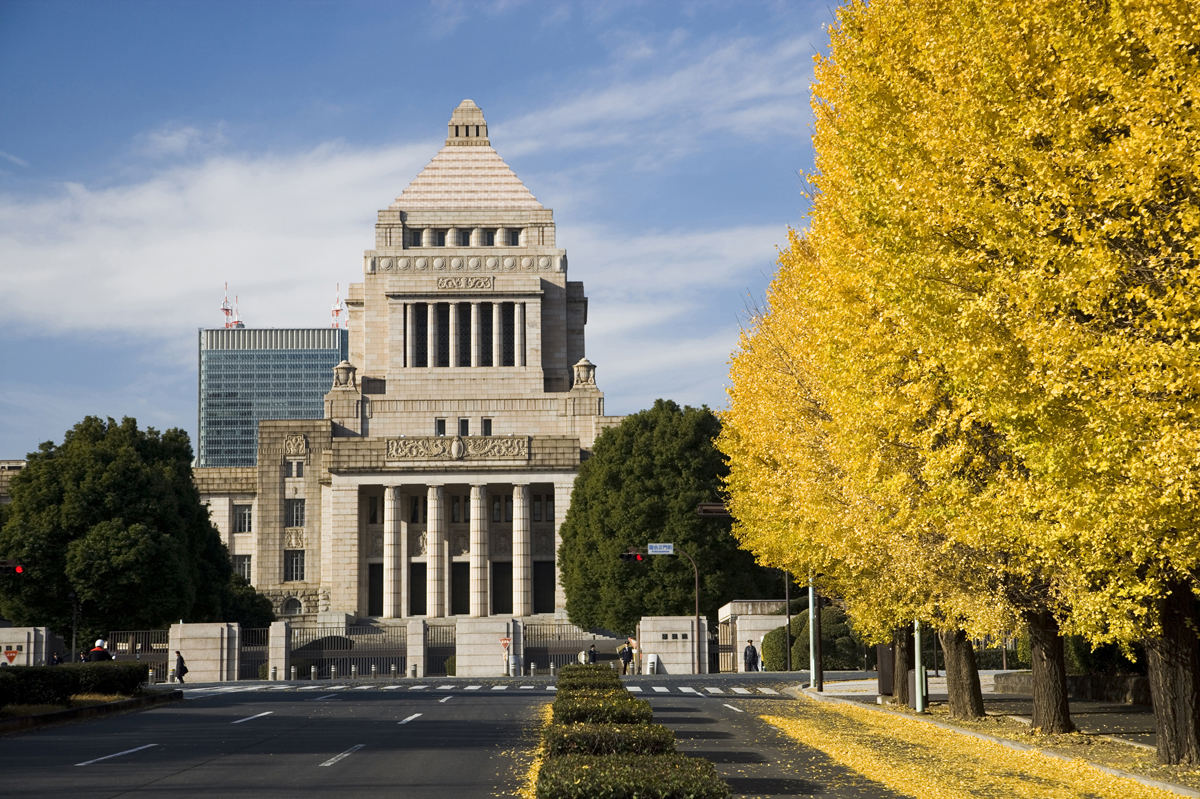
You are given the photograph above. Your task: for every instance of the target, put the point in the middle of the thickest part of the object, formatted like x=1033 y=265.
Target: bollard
x=532 y=669
x=293 y=672
x=274 y=673
x=394 y=670
x=374 y=671
x=353 y=670
x=552 y=669
x=414 y=671
x=312 y=672
x=171 y=676
x=333 y=672
x=151 y=676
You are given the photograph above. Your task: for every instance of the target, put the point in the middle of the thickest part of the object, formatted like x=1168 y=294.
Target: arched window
x=292 y=607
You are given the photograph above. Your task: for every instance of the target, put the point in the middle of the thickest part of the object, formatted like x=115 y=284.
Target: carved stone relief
x=293 y=538
x=416 y=543
x=461 y=544
x=458 y=448
x=295 y=444
x=466 y=282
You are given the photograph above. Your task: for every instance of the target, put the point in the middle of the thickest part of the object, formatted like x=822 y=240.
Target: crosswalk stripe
x=499 y=687
x=363 y=687
x=740 y=690
x=658 y=689
x=635 y=689
x=526 y=687
x=768 y=691
x=713 y=690
x=418 y=688
x=687 y=690
x=445 y=687
x=392 y=687
x=474 y=687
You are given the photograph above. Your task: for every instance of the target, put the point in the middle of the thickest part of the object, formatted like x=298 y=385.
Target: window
x=514 y=238
x=549 y=507
x=455 y=509
x=373 y=514
x=416 y=509
x=464 y=238
x=439 y=238
x=414 y=238
x=293 y=513
x=486 y=427
x=243 y=518
x=464 y=427
x=495 y=509
x=292 y=607
x=241 y=566
x=537 y=507
x=508 y=508
x=293 y=565
x=439 y=427
x=294 y=468
x=489 y=237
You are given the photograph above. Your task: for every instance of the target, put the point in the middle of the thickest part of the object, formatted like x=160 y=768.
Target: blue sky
x=152 y=151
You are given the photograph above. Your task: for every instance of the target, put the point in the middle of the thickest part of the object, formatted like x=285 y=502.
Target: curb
x=22 y=723
x=1180 y=790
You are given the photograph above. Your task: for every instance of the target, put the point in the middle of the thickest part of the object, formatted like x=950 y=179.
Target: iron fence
x=151 y=647
x=349 y=651
x=559 y=643
x=253 y=650
x=440 y=642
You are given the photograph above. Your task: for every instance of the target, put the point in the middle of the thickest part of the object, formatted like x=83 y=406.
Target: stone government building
x=436 y=483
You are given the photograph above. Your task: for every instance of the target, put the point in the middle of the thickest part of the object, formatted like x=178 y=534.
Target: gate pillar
x=279 y=649
x=416 y=646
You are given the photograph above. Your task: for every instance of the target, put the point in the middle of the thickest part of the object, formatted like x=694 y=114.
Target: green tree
x=110 y=522
x=642 y=484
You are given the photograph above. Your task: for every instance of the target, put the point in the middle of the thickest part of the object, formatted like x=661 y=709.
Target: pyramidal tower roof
x=467 y=172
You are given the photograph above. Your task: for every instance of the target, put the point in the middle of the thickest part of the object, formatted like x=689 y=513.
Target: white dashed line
x=410 y=718
x=445 y=687
x=474 y=687
x=499 y=687
x=445 y=699
x=731 y=707
x=280 y=688
x=309 y=688
x=337 y=687
x=363 y=687
x=418 y=688
x=687 y=690
x=251 y=718
x=635 y=689
x=347 y=753
x=392 y=687
x=526 y=687
x=118 y=754
x=740 y=690
x=712 y=690
x=658 y=689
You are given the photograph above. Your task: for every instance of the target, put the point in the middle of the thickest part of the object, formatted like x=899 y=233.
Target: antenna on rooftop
x=226 y=308
x=237 y=319
x=335 y=313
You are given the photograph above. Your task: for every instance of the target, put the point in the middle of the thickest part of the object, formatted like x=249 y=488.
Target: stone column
x=479 y=551
x=522 y=542
x=431 y=342
x=497 y=332
x=344 y=576
x=474 y=334
x=393 y=563
x=519 y=334
x=409 y=333
x=435 y=538
x=453 y=333
x=562 y=500
x=405 y=556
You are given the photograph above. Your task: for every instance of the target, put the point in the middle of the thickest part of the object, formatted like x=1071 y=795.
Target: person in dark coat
x=98 y=653
x=591 y=654
x=180 y=666
x=626 y=653
x=750 y=657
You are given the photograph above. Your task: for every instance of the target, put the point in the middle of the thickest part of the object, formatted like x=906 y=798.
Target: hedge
x=589 y=676
x=582 y=738
x=672 y=776
x=614 y=709
x=55 y=685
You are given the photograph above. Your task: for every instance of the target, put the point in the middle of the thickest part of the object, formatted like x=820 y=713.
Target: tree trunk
x=1051 y=713
x=962 y=675
x=1173 y=665
x=902 y=645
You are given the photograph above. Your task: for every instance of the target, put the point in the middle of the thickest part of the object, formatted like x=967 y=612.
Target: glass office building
x=248 y=375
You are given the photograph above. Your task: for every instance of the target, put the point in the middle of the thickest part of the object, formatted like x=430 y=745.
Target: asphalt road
x=435 y=738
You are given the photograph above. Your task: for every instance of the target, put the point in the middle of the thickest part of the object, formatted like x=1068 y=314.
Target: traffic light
x=11 y=567
x=632 y=556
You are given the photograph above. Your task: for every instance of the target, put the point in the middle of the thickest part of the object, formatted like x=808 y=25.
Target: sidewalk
x=1133 y=724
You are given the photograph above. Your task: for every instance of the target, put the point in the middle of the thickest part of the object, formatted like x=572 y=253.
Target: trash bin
x=652 y=664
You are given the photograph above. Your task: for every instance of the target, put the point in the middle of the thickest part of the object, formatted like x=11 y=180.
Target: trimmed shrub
x=604 y=709
x=113 y=677
x=589 y=676
x=672 y=776
x=37 y=685
x=607 y=739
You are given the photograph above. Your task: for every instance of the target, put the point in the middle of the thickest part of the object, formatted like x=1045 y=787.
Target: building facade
x=435 y=480
x=248 y=375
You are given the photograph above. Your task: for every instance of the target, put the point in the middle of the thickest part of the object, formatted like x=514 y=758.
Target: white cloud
x=13 y=159
x=175 y=140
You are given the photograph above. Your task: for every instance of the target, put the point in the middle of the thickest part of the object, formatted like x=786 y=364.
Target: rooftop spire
x=467 y=125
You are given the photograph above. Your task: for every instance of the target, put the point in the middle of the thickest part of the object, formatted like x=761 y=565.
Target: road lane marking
x=410 y=718
x=552 y=688
x=687 y=690
x=281 y=688
x=740 y=690
x=731 y=707
x=445 y=687
x=526 y=687
x=363 y=687
x=768 y=691
x=251 y=718
x=336 y=687
x=445 y=699
x=309 y=688
x=715 y=690
x=392 y=687
x=418 y=688
x=474 y=687
x=347 y=753
x=319 y=698
x=636 y=689
x=499 y=687
x=658 y=689
x=118 y=754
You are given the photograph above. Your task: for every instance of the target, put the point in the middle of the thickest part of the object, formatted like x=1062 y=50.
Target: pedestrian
x=99 y=653
x=55 y=660
x=626 y=654
x=750 y=657
x=592 y=653
x=180 y=667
